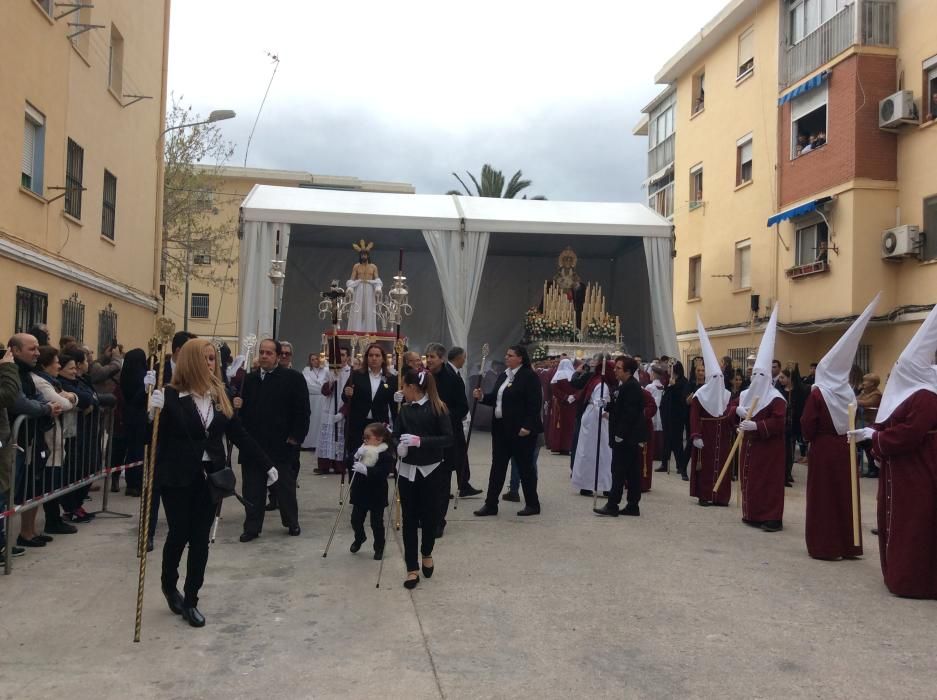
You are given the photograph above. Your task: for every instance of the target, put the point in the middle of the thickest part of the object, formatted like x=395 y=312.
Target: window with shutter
x=33 y=137
x=746 y=52
x=74 y=173
x=743 y=160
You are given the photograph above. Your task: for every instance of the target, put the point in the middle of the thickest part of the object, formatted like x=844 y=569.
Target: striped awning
x=815 y=82
x=797 y=211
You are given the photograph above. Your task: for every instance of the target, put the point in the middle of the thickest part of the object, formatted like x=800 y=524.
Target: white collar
x=422 y=401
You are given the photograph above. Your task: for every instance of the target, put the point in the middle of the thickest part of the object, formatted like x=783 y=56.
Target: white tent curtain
x=660 y=280
x=460 y=262
x=258 y=249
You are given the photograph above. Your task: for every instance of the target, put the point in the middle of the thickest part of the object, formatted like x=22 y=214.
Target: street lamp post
x=277 y=276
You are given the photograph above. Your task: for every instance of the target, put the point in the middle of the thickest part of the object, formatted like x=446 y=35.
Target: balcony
x=660 y=156
x=864 y=22
x=661 y=201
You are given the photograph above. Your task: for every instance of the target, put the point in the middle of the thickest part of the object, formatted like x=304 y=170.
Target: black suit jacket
x=451 y=390
x=520 y=404
x=183 y=442
x=626 y=415
x=381 y=406
x=274 y=411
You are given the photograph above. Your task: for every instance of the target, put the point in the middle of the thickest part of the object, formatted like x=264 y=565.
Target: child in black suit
x=374 y=460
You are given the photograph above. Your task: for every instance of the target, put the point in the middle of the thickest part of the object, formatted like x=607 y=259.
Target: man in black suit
x=517 y=400
x=169 y=364
x=274 y=409
x=369 y=394
x=627 y=432
x=463 y=470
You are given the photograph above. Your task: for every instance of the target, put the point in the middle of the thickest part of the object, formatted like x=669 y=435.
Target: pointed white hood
x=762 y=388
x=565 y=370
x=832 y=374
x=912 y=372
x=713 y=395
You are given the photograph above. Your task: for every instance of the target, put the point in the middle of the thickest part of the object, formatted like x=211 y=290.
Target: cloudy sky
x=412 y=90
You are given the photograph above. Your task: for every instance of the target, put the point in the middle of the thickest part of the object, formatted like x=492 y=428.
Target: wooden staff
x=141 y=537
x=853 y=478
x=164 y=332
x=735 y=447
x=481 y=376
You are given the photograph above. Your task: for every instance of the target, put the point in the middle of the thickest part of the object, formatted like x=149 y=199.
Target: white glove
x=402 y=450
x=698 y=443
x=748 y=426
x=860 y=434
x=570 y=399
x=157 y=400
x=618 y=439
x=338 y=418
x=741 y=412
x=272 y=476
x=149 y=379
x=398 y=397
x=410 y=440
x=359 y=468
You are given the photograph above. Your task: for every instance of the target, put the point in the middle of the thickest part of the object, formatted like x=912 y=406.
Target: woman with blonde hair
x=196 y=413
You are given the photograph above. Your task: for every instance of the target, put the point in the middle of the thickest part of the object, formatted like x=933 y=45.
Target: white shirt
x=376 y=381
x=408 y=471
x=509 y=373
x=206 y=412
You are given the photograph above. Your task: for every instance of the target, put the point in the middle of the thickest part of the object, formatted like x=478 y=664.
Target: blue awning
x=797 y=211
x=814 y=82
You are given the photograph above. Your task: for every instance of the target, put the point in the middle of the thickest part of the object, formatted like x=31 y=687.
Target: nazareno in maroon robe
x=562 y=416
x=906 y=445
x=828 y=530
x=761 y=465
x=647 y=465
x=705 y=465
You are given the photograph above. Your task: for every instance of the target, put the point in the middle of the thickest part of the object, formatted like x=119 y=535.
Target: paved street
x=683 y=602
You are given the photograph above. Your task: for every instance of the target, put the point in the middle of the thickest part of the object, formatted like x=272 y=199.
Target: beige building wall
x=66 y=82
x=230 y=185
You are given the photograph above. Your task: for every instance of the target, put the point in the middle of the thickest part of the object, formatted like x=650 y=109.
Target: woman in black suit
x=517 y=399
x=423 y=433
x=196 y=413
x=369 y=394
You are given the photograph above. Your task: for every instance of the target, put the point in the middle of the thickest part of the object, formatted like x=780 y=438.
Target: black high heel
x=410 y=583
x=427 y=570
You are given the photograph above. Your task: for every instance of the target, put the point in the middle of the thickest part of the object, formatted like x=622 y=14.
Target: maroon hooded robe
x=647 y=464
x=717 y=435
x=762 y=465
x=562 y=416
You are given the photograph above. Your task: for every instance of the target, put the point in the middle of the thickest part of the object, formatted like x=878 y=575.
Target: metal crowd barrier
x=54 y=458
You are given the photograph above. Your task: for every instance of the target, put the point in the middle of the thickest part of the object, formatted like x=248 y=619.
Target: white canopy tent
x=456 y=230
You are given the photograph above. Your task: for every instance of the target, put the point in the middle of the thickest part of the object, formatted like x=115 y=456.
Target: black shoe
x=606 y=494
x=174 y=598
x=14 y=551
x=295 y=531
x=131 y=491
x=684 y=476
x=149 y=544
x=585 y=492
x=788 y=484
x=428 y=570
x=34 y=542
x=873 y=473
x=440 y=531
x=378 y=551
x=356 y=545
x=193 y=617
x=704 y=503
x=271 y=506
x=630 y=510
x=486 y=510
x=43 y=537
x=607 y=509
x=772 y=526
x=248 y=536
x=512 y=496
x=527 y=510
x=875 y=531
x=61 y=529
x=661 y=469
x=115 y=483
x=410 y=583
x=469 y=491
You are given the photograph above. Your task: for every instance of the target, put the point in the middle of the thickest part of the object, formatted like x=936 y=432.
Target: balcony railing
x=660 y=156
x=661 y=201
x=875 y=27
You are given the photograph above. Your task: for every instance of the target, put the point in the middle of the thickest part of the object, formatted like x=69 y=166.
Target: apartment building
x=800 y=174
x=79 y=186
x=208 y=304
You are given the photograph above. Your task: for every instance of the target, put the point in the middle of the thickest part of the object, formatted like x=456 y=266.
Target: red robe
x=829 y=487
x=907 y=496
x=717 y=435
x=647 y=468
x=562 y=416
x=762 y=465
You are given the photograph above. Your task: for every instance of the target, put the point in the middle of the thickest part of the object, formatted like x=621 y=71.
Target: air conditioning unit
x=900 y=242
x=896 y=110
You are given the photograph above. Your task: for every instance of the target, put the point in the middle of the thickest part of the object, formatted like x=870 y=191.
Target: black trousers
x=358 y=514
x=254 y=478
x=626 y=470
x=189 y=516
x=454 y=461
x=503 y=449
x=674 y=444
x=419 y=508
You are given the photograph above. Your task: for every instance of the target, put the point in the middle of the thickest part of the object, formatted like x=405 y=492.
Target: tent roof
x=293 y=205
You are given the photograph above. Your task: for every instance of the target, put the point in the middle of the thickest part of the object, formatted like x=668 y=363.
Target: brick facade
x=855 y=146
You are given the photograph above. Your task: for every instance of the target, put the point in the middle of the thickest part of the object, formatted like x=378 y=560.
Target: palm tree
x=492 y=185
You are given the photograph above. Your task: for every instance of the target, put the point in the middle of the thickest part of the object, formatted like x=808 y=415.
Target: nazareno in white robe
x=584 y=465
x=315 y=378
